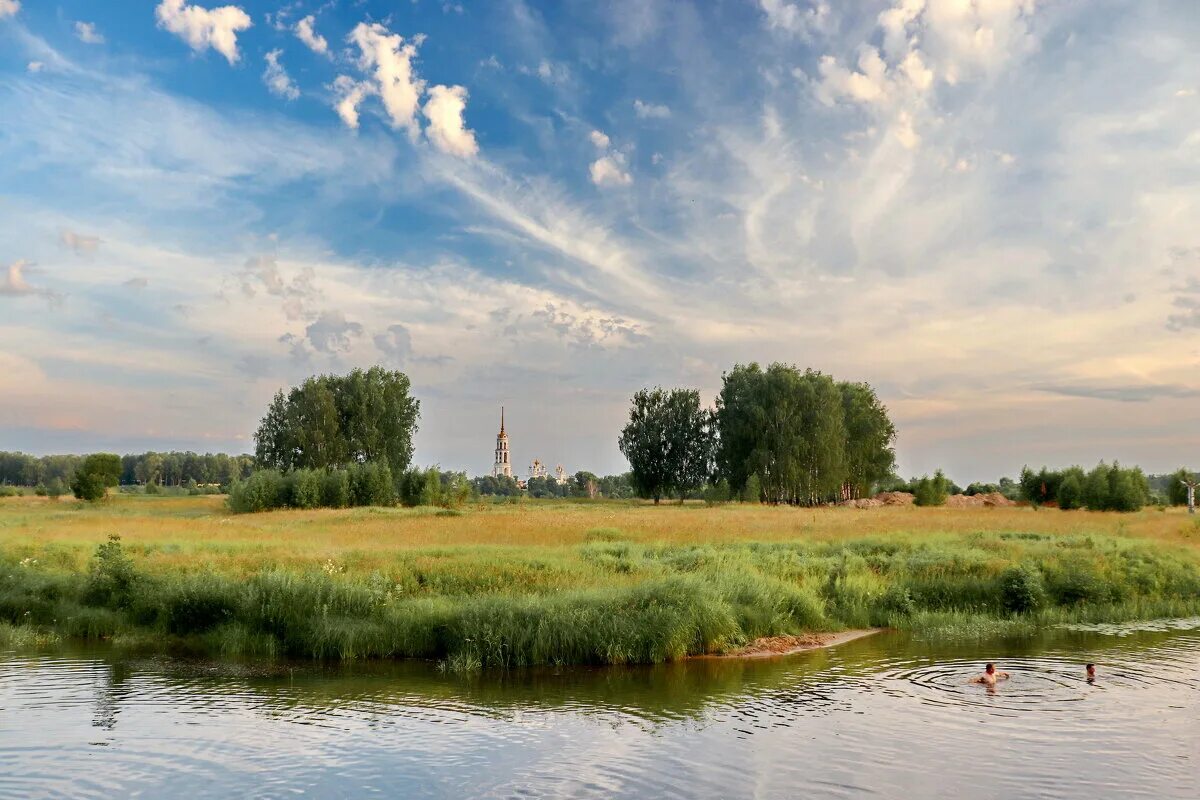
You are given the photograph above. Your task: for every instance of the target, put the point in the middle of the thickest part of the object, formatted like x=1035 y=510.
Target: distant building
x=502 y=465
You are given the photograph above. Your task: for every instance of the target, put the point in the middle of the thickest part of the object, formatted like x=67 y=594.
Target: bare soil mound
x=989 y=500
x=895 y=498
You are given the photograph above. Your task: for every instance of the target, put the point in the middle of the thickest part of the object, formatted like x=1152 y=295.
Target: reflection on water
x=891 y=715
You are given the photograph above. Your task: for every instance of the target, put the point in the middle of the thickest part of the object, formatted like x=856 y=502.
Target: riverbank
x=570 y=583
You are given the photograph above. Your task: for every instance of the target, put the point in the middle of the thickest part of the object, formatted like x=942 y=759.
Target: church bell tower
x=502 y=465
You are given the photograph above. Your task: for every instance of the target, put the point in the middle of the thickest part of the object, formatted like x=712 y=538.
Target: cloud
x=1121 y=393
x=15 y=285
x=202 y=28
x=277 y=79
x=9 y=8
x=1188 y=301
x=350 y=94
x=306 y=33
x=136 y=283
x=81 y=244
x=35 y=66
x=262 y=273
x=610 y=170
x=548 y=72
x=650 y=110
x=389 y=60
x=446 y=130
x=600 y=139
x=396 y=344
x=332 y=333
x=790 y=18
x=87 y=33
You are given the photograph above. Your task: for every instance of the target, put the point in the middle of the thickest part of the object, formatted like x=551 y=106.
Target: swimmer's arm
x=1002 y=675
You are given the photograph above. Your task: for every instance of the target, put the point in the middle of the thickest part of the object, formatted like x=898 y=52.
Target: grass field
x=566 y=582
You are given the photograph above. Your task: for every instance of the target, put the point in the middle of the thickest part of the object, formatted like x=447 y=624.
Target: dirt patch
x=772 y=646
x=989 y=500
x=862 y=502
x=895 y=498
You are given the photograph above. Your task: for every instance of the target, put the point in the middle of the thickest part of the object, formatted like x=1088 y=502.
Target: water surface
x=891 y=715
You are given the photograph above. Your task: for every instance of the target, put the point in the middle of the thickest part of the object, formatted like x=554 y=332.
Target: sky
x=988 y=209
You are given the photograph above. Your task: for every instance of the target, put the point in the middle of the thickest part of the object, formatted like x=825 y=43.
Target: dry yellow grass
x=175 y=531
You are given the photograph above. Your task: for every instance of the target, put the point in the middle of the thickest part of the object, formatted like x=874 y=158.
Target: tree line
x=174 y=468
x=776 y=435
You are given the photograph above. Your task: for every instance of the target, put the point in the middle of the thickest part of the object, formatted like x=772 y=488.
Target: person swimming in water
x=990 y=675
x=1091 y=673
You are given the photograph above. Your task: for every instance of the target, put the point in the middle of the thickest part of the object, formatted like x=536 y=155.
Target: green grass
x=608 y=599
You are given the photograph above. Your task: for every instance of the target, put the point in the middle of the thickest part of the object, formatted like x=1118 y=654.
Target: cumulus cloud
x=650 y=110
x=389 y=59
x=277 y=79
x=349 y=95
x=600 y=139
x=262 y=273
x=87 y=33
x=9 y=8
x=610 y=170
x=446 y=130
x=81 y=244
x=332 y=333
x=136 y=283
x=306 y=33
x=203 y=28
x=791 y=18
x=396 y=344
x=35 y=66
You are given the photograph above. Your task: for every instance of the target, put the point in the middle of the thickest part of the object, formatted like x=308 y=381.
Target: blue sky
x=986 y=208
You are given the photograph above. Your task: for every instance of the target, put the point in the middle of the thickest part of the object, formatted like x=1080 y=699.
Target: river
x=890 y=715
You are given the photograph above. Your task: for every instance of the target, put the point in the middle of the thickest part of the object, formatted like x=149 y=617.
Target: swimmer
x=1091 y=673
x=990 y=675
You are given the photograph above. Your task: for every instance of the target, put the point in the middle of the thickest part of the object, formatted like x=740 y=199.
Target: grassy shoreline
x=563 y=583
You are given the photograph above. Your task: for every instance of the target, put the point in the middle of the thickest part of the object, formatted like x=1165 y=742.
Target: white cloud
x=446 y=130
x=350 y=94
x=87 y=33
x=331 y=332
x=791 y=18
x=315 y=41
x=610 y=171
x=549 y=72
x=9 y=8
x=277 y=79
x=650 y=110
x=202 y=28
x=35 y=66
x=396 y=344
x=14 y=284
x=600 y=139
x=389 y=58
x=81 y=244
x=868 y=85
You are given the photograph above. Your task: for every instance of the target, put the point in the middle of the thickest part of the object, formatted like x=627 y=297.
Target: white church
x=502 y=464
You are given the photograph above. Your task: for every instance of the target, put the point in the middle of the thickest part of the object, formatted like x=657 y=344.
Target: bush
x=931 y=491
x=715 y=494
x=1070 y=492
x=304 y=488
x=93 y=477
x=112 y=578
x=753 y=491
x=410 y=486
x=55 y=489
x=1021 y=590
x=262 y=491
x=371 y=485
x=40 y=489
x=335 y=489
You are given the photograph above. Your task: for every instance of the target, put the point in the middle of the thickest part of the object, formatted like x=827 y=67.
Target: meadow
x=558 y=582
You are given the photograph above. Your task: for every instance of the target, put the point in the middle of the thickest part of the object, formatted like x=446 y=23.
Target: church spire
x=501 y=420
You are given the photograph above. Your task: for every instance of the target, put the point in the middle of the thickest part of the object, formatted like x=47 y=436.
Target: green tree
x=870 y=439
x=1177 y=490
x=331 y=421
x=93 y=477
x=931 y=491
x=667 y=442
x=1096 y=488
x=1070 y=490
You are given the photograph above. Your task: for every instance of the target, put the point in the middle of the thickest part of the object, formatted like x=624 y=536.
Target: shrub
x=1021 y=589
x=753 y=491
x=371 y=485
x=40 y=489
x=93 y=477
x=112 y=578
x=410 y=485
x=335 y=489
x=262 y=491
x=715 y=494
x=304 y=487
x=1070 y=492
x=55 y=489
x=931 y=491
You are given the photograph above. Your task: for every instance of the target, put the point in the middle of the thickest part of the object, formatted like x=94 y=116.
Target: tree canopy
x=668 y=442
x=335 y=420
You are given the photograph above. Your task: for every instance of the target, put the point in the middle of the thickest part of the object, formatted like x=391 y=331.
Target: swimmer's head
x=990 y=668
x=1091 y=669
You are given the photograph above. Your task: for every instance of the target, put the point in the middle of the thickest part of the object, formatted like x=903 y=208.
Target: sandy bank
x=773 y=646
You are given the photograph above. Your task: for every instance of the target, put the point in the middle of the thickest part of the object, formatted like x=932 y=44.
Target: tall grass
x=605 y=600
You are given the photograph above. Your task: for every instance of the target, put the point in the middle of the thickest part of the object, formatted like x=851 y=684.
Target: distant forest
x=161 y=469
